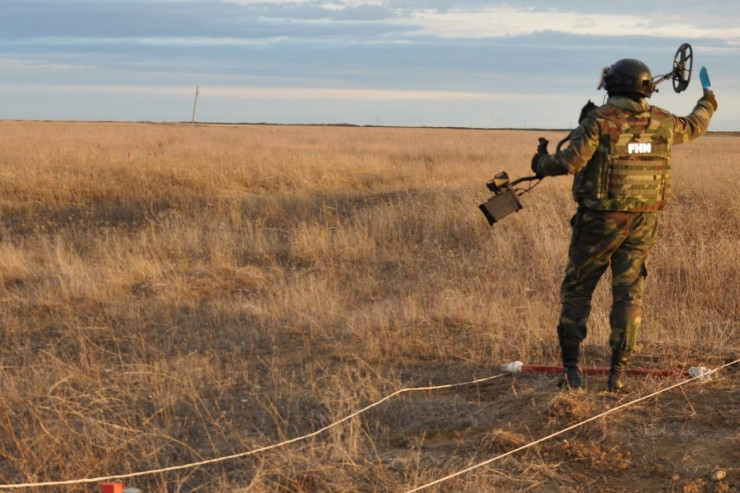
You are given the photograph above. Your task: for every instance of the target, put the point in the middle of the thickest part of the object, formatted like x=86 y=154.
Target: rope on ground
x=579 y=424
x=249 y=452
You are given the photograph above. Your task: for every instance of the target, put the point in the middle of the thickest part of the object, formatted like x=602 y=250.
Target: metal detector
x=506 y=196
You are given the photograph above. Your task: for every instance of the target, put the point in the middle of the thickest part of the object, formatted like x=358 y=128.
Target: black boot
x=571 y=377
x=617 y=381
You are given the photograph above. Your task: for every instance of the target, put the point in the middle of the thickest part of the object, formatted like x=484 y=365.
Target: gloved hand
x=586 y=110
x=541 y=151
x=542 y=146
x=709 y=96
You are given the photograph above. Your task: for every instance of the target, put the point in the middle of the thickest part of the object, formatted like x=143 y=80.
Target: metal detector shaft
x=523 y=179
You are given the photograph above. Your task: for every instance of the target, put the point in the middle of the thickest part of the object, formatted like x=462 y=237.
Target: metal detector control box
x=500 y=205
x=504 y=202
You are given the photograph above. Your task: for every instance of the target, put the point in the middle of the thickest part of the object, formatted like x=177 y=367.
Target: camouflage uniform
x=621 y=158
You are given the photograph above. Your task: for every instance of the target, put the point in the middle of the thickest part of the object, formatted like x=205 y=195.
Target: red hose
x=656 y=372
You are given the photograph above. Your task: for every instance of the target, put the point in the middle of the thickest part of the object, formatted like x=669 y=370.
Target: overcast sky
x=389 y=62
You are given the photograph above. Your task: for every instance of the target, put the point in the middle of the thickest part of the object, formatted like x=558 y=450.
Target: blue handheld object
x=704 y=76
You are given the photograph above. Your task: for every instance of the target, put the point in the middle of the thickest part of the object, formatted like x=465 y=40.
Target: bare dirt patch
x=672 y=442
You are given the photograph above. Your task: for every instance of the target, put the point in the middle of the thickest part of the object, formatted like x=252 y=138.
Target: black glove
x=586 y=109
x=542 y=146
x=709 y=96
x=541 y=151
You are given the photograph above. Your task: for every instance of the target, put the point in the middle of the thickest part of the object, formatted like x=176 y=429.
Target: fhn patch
x=639 y=148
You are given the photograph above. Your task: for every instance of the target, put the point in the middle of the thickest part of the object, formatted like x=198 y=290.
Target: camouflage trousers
x=600 y=239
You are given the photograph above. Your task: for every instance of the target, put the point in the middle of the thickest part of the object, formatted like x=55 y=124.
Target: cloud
x=361 y=94
x=329 y=5
x=99 y=88
x=502 y=21
x=27 y=65
x=356 y=20
x=286 y=93
x=289 y=54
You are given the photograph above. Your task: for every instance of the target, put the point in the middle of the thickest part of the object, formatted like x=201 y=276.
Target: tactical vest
x=631 y=170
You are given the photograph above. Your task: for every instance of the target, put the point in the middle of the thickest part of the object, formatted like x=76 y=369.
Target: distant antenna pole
x=195 y=104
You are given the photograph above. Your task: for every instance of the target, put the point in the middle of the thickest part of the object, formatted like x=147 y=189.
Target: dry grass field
x=175 y=293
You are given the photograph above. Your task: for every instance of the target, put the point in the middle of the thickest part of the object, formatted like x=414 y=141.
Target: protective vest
x=631 y=169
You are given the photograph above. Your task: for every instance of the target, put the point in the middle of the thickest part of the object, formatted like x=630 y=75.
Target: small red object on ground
x=111 y=487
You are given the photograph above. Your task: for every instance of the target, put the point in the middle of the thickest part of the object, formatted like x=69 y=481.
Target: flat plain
x=171 y=294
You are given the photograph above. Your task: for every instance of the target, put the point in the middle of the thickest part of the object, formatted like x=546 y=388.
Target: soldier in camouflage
x=620 y=155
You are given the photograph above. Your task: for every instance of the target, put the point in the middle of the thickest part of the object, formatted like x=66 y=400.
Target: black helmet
x=629 y=76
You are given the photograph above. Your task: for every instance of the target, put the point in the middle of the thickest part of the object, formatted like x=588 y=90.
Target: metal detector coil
x=680 y=75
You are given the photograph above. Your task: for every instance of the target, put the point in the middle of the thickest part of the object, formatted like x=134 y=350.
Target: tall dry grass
x=171 y=293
